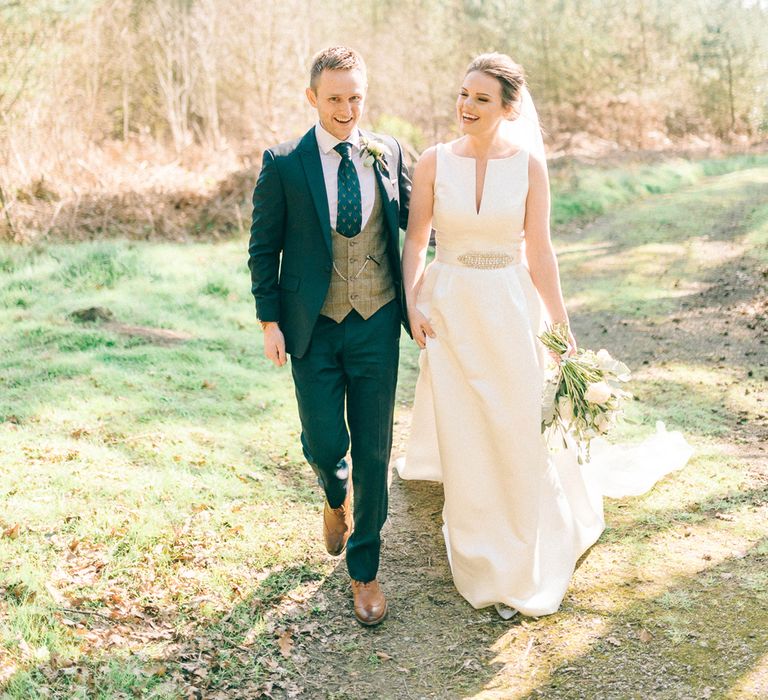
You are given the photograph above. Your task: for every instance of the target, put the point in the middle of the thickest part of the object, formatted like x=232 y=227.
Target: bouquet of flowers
x=583 y=397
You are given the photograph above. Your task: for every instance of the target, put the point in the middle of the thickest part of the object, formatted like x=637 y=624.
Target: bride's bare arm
x=417 y=240
x=542 y=262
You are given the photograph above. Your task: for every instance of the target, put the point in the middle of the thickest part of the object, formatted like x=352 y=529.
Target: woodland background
x=159 y=526
x=147 y=117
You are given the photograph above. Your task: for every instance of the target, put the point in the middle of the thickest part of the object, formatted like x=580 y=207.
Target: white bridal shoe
x=505 y=613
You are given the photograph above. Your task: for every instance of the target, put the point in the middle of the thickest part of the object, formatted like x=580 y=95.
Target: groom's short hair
x=335 y=58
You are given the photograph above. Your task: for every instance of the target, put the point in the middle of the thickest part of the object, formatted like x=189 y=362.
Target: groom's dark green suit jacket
x=290 y=252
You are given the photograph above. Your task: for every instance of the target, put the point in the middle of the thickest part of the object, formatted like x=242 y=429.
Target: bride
x=516 y=518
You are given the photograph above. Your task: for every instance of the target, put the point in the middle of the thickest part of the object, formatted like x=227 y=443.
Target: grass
x=119 y=454
x=159 y=530
x=585 y=192
x=657 y=250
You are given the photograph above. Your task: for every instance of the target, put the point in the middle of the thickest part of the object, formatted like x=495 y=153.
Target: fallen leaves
x=82 y=566
x=7 y=670
x=195 y=668
x=55 y=594
x=728 y=517
x=49 y=455
x=18 y=591
x=285 y=643
x=472 y=665
x=157 y=670
x=12 y=532
x=32 y=654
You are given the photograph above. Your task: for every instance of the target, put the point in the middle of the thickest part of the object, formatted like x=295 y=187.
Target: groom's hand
x=274 y=344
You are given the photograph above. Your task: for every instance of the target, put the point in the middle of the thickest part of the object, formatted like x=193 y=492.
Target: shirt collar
x=327 y=141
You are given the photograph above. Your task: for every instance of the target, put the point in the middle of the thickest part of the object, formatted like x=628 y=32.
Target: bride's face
x=479 y=107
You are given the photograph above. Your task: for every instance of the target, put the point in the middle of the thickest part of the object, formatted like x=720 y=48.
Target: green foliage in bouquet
x=584 y=397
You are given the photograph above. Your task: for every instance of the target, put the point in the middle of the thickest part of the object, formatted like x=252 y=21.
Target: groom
x=325 y=272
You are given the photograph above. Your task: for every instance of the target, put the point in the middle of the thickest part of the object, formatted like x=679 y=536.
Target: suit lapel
x=313 y=169
x=388 y=194
x=390 y=204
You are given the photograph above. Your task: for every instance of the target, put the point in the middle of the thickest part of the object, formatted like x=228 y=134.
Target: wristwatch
x=264 y=324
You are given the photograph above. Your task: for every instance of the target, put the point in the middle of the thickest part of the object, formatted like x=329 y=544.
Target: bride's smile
x=479 y=106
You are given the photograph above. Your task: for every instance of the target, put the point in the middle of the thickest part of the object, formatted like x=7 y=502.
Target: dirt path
x=672 y=602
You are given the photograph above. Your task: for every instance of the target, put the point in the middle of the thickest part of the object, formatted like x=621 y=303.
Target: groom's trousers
x=352 y=363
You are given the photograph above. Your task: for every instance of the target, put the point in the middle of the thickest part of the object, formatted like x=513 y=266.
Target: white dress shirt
x=330 y=160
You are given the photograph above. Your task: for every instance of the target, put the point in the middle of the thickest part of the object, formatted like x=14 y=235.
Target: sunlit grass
x=580 y=192
x=642 y=260
x=176 y=460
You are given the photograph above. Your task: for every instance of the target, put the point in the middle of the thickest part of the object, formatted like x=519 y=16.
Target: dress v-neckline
x=477 y=208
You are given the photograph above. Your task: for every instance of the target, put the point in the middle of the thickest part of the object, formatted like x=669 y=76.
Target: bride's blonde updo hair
x=509 y=74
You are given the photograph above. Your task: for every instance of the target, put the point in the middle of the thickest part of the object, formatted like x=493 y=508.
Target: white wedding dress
x=516 y=518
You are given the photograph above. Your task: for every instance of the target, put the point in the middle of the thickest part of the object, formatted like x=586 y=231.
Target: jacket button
x=353 y=296
x=327 y=268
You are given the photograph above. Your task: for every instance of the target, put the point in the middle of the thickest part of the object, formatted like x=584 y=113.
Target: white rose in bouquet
x=604 y=359
x=611 y=366
x=598 y=392
x=603 y=423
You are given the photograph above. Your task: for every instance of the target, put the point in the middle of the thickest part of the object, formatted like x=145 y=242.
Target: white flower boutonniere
x=374 y=152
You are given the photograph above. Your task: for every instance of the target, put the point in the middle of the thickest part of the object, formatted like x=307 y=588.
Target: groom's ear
x=311 y=96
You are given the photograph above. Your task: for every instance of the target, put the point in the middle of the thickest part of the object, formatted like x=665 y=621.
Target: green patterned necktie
x=349 y=215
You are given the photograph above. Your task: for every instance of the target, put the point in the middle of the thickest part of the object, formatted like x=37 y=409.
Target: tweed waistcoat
x=361 y=277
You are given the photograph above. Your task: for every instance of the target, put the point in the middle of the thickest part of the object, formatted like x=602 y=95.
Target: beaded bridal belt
x=480 y=260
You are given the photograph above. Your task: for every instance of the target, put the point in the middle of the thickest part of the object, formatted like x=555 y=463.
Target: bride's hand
x=572 y=348
x=420 y=327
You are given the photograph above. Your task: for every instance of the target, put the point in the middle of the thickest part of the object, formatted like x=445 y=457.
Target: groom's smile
x=339 y=98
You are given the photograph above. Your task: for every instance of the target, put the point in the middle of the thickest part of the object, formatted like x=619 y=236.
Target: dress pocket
x=424 y=298
x=532 y=299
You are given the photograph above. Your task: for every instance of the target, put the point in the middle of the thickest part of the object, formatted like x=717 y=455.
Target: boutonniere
x=374 y=152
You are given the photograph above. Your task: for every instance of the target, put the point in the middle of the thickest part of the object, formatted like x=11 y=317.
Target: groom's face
x=339 y=98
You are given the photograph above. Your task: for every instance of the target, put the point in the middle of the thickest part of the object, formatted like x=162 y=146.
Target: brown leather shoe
x=337 y=526
x=370 y=603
